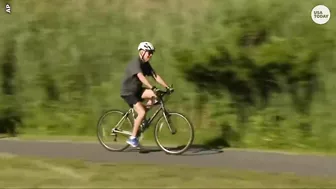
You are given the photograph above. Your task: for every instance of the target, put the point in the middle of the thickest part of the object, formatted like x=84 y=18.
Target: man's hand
x=169 y=89
x=155 y=90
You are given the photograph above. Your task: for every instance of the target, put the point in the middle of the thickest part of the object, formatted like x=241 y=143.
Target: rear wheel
x=175 y=134
x=106 y=126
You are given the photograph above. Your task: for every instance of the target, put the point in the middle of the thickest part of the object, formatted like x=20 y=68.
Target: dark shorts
x=134 y=98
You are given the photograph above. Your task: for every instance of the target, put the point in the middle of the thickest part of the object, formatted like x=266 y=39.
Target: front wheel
x=174 y=133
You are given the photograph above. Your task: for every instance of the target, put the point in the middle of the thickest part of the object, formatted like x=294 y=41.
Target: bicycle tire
x=187 y=146
x=99 y=125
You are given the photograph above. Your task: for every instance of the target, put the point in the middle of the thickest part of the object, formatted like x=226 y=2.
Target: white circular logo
x=320 y=14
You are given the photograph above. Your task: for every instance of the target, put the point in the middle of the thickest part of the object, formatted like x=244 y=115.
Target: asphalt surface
x=271 y=162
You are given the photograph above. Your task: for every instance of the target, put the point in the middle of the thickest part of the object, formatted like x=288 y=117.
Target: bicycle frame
x=131 y=112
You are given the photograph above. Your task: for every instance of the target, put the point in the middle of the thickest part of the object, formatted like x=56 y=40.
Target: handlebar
x=160 y=94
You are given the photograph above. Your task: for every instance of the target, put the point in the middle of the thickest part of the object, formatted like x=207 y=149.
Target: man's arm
x=160 y=80
x=144 y=80
x=135 y=69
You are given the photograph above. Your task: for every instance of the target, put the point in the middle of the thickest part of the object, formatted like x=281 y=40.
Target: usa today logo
x=320 y=14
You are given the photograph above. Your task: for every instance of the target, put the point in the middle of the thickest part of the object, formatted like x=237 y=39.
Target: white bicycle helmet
x=147 y=46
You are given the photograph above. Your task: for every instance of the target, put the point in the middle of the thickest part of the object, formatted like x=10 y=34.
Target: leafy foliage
x=260 y=71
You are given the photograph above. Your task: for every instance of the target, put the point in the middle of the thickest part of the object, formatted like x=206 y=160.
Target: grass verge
x=42 y=173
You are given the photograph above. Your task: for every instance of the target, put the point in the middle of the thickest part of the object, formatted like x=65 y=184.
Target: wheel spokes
x=112 y=125
x=175 y=134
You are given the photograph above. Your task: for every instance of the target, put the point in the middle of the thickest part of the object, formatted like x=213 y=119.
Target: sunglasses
x=150 y=52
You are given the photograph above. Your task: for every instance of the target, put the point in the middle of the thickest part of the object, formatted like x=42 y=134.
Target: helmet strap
x=142 y=56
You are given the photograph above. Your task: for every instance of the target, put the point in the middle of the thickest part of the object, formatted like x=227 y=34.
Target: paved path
x=307 y=165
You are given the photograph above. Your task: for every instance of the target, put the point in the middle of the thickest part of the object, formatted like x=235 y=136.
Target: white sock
x=132 y=137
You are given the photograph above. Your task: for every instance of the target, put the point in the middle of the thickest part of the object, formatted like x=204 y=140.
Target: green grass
x=42 y=173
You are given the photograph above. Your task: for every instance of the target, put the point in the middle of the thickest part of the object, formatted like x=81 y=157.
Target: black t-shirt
x=131 y=83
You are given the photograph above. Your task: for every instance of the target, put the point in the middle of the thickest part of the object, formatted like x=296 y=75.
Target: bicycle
x=164 y=118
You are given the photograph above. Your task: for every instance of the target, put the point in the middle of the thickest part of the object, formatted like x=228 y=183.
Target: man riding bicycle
x=133 y=92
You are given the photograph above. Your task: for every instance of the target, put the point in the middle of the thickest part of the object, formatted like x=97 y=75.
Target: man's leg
x=134 y=101
x=150 y=95
x=140 y=110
